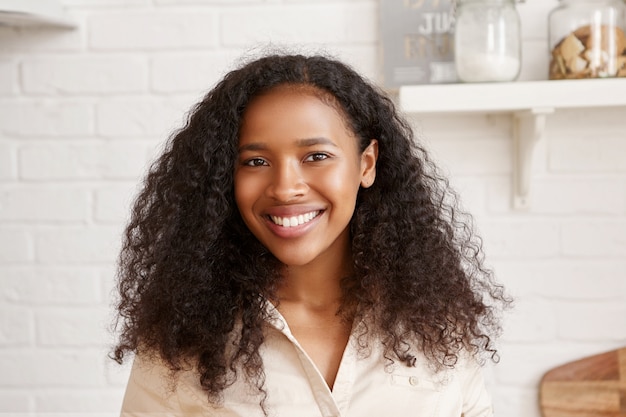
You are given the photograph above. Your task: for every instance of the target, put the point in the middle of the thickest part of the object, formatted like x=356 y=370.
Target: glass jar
x=587 y=39
x=487 y=41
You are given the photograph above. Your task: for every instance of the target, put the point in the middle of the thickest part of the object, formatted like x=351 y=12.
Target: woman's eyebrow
x=315 y=141
x=301 y=143
x=255 y=146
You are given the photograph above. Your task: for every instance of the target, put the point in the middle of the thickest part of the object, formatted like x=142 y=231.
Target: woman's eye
x=315 y=157
x=255 y=162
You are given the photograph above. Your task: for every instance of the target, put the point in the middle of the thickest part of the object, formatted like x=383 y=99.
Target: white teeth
x=295 y=220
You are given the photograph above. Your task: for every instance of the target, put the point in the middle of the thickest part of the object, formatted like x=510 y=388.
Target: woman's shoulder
x=154 y=387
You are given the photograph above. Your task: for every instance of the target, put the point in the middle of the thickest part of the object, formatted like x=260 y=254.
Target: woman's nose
x=287 y=183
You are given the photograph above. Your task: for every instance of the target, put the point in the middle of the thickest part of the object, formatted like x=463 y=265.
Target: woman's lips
x=293 y=225
x=295 y=220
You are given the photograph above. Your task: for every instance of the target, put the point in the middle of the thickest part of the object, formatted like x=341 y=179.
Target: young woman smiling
x=292 y=254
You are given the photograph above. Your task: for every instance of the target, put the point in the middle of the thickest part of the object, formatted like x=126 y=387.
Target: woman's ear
x=368 y=164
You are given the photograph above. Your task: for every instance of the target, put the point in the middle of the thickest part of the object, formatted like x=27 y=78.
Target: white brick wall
x=83 y=111
x=41 y=118
x=145 y=30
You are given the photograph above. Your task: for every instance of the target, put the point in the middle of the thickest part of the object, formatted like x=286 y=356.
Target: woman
x=294 y=252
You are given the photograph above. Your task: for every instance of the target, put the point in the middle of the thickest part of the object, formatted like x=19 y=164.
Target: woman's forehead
x=309 y=90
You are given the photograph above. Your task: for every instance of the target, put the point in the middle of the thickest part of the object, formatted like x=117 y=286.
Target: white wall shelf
x=34 y=13
x=529 y=102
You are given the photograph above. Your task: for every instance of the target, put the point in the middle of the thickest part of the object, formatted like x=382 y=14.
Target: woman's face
x=298 y=174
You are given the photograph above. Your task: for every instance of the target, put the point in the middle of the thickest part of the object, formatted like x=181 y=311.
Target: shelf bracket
x=529 y=129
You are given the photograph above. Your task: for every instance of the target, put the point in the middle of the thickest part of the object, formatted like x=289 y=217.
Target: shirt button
x=413 y=381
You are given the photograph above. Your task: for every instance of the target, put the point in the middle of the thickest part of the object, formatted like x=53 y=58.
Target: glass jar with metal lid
x=587 y=39
x=487 y=40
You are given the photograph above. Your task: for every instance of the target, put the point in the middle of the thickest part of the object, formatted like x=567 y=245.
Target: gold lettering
x=418 y=46
x=416 y=4
x=413 y=4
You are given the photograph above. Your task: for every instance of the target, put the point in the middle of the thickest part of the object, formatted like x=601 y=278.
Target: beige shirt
x=364 y=386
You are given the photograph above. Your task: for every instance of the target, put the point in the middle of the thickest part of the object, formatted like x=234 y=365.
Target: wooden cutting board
x=589 y=387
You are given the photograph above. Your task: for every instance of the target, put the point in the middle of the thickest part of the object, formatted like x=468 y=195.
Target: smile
x=294 y=221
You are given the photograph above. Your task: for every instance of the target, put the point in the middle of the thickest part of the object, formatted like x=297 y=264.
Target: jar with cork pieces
x=587 y=39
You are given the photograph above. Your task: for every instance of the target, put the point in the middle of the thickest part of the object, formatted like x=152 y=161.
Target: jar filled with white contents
x=587 y=39
x=487 y=41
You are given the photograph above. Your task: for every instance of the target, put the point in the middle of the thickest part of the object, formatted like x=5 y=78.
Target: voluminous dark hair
x=193 y=281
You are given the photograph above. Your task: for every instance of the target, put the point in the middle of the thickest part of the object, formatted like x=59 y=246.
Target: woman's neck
x=316 y=285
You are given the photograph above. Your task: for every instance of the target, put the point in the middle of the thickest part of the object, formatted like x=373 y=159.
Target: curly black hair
x=193 y=281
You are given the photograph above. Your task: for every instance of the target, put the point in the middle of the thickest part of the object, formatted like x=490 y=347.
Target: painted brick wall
x=82 y=112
